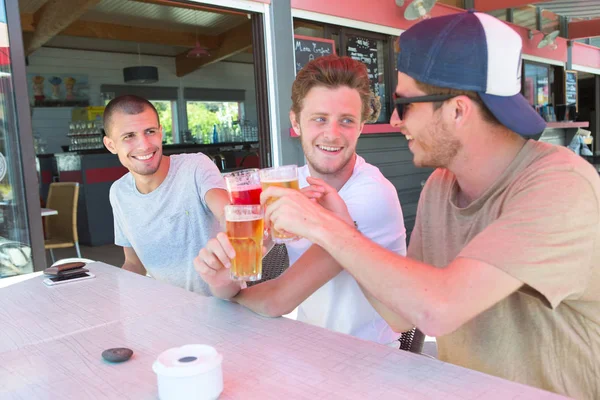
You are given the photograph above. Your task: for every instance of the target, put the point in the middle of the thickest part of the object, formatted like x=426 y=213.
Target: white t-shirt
x=340 y=305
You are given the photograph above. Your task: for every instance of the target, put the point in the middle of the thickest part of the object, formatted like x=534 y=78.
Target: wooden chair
x=412 y=341
x=274 y=263
x=61 y=229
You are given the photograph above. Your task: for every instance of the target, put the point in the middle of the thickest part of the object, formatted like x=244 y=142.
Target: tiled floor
x=113 y=255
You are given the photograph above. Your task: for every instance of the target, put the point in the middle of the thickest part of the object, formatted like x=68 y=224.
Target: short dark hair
x=127 y=104
x=485 y=112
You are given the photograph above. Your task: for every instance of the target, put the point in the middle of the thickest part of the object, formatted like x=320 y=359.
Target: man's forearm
x=133 y=267
x=380 y=272
x=283 y=294
x=226 y=292
x=260 y=299
x=394 y=320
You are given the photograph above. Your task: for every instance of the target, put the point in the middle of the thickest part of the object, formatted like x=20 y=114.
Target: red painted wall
x=380 y=12
x=386 y=13
x=586 y=55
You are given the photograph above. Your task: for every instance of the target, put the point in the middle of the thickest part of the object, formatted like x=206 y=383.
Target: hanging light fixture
x=198 y=51
x=140 y=74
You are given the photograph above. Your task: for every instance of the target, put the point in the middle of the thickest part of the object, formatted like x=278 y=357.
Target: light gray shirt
x=168 y=226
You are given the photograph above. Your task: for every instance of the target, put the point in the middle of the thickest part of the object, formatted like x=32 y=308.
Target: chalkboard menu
x=365 y=50
x=308 y=48
x=571 y=87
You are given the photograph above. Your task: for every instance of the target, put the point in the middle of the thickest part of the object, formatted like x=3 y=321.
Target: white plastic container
x=190 y=372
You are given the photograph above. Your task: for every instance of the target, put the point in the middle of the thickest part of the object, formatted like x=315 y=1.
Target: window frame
x=550 y=75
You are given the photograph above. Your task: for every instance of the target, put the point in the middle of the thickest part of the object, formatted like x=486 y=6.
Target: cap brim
x=515 y=113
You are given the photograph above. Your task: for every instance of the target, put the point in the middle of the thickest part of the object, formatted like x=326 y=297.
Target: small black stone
x=117 y=355
x=187 y=359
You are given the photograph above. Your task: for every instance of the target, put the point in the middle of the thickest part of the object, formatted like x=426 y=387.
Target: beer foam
x=279 y=180
x=244 y=218
x=244 y=188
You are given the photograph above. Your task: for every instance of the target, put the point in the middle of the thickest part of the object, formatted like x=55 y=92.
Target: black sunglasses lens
x=400 y=110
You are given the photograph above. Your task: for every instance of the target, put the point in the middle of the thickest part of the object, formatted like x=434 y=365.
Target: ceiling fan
x=549 y=39
x=417 y=9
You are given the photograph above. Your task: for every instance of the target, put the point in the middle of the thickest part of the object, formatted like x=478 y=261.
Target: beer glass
x=244 y=225
x=285 y=176
x=243 y=186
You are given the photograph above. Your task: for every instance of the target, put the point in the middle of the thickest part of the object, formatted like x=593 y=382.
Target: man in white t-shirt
x=330 y=104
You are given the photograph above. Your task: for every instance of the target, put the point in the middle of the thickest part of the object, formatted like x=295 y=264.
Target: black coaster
x=117 y=355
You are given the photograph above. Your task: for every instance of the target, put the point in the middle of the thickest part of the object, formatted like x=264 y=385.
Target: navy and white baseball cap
x=472 y=51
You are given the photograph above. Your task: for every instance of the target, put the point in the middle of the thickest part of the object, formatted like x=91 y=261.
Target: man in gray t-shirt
x=165 y=208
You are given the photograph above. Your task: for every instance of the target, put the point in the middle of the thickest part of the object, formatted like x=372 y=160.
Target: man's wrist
x=226 y=292
x=325 y=235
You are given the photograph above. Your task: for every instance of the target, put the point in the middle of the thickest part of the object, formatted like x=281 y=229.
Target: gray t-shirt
x=168 y=226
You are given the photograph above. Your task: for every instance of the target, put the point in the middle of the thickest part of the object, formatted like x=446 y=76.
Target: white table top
x=52 y=338
x=48 y=211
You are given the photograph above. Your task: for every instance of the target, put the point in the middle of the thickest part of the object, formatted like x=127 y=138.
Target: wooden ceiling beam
x=101 y=30
x=232 y=42
x=51 y=18
x=27 y=23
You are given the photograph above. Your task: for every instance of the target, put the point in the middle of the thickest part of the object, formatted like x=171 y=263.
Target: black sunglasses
x=402 y=102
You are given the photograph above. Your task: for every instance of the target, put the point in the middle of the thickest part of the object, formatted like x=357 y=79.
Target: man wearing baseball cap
x=502 y=264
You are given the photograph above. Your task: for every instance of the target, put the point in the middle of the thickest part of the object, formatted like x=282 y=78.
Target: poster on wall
x=365 y=50
x=58 y=90
x=571 y=88
x=307 y=48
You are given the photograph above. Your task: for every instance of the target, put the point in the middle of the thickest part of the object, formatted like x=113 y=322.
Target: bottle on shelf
x=215 y=134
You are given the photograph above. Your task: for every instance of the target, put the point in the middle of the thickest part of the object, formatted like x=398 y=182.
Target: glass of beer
x=285 y=176
x=244 y=227
x=243 y=186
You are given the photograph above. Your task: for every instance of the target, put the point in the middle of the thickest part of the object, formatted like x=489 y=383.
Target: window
x=165 y=109
x=15 y=235
x=536 y=85
x=205 y=116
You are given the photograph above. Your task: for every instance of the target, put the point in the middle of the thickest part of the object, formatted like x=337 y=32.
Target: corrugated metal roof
x=573 y=8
